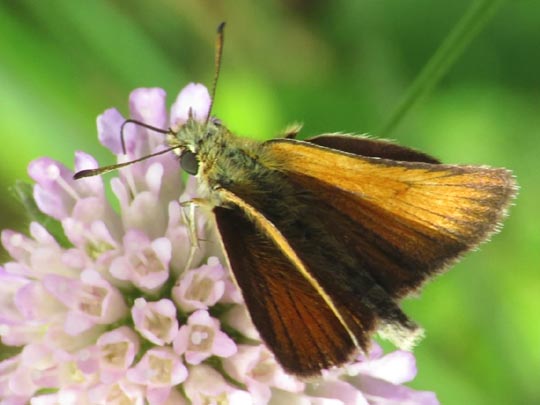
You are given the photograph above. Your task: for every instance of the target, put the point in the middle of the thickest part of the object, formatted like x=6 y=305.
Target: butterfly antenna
x=106 y=169
x=219 y=54
x=141 y=124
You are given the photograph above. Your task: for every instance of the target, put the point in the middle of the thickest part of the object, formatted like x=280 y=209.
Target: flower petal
x=380 y=391
x=109 y=124
x=194 y=97
x=397 y=367
x=148 y=105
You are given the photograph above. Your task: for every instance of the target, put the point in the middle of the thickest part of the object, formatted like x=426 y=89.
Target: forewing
x=291 y=316
x=408 y=220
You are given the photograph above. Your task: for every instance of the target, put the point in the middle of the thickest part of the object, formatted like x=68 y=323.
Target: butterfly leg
x=190 y=219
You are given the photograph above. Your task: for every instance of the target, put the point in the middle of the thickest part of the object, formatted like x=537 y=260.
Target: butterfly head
x=192 y=138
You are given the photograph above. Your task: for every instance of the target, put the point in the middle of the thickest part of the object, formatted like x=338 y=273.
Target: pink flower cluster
x=119 y=315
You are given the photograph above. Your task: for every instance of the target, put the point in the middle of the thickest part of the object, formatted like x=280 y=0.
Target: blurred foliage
x=336 y=66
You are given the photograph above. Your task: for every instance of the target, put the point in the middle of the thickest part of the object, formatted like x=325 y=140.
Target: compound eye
x=189 y=162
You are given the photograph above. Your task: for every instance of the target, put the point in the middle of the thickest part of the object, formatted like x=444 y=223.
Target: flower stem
x=476 y=17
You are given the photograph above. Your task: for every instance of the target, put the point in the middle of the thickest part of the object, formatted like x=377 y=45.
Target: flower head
x=127 y=312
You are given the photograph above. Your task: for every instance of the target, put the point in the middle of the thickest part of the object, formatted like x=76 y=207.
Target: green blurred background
x=336 y=66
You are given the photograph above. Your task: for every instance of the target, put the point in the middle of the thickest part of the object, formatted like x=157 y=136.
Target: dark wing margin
x=365 y=146
x=291 y=316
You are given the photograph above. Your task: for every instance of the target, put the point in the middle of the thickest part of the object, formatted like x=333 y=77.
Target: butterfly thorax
x=224 y=159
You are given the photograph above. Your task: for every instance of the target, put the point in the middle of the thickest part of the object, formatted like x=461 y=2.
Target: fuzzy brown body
x=325 y=236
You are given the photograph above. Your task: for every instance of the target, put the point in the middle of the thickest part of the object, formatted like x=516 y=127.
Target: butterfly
x=325 y=236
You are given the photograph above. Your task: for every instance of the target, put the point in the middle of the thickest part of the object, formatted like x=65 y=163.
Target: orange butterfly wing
x=408 y=220
x=290 y=315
